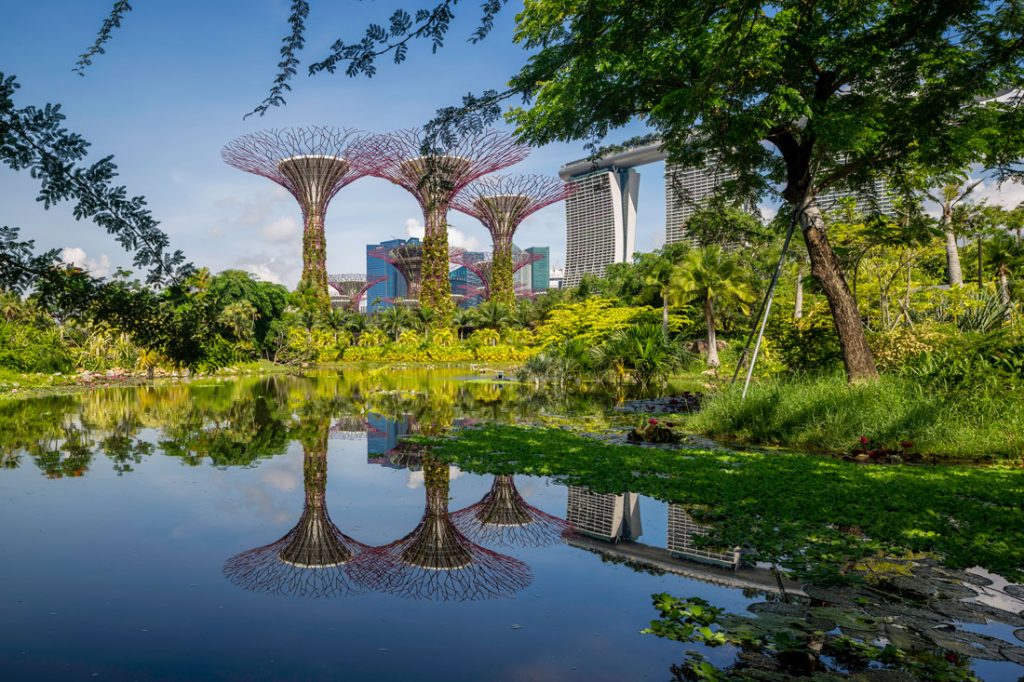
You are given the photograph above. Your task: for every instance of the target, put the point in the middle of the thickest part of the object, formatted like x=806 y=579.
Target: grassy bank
x=824 y=413
x=813 y=514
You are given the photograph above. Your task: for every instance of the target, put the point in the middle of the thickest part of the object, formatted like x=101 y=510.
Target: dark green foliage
x=33 y=139
x=807 y=344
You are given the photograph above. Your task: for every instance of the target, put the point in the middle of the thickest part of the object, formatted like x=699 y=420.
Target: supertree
x=502 y=517
x=314 y=559
x=408 y=260
x=436 y=561
x=502 y=203
x=486 y=269
x=434 y=178
x=352 y=287
x=313 y=164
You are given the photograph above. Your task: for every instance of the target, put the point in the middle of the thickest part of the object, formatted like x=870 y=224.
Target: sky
x=174 y=86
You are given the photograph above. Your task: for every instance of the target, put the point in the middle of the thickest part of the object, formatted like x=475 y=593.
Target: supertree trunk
x=501 y=285
x=313 y=283
x=436 y=289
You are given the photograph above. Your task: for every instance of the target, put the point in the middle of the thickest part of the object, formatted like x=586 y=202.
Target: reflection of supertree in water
x=436 y=561
x=313 y=164
x=502 y=203
x=352 y=287
x=314 y=559
x=434 y=179
x=504 y=518
x=484 y=268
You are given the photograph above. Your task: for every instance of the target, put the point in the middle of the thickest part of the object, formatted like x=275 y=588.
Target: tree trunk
x=798 y=306
x=981 y=281
x=313 y=284
x=1004 y=287
x=664 y=313
x=953 y=271
x=709 y=317
x=435 y=288
x=857 y=357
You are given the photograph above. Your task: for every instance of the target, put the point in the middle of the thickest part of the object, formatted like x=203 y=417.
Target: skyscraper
x=540 y=270
x=380 y=295
x=875 y=199
x=686 y=188
x=600 y=218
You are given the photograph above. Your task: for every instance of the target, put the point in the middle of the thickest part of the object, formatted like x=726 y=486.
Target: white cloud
x=280 y=230
x=768 y=212
x=271 y=268
x=99 y=267
x=1008 y=195
x=456 y=237
x=415 y=478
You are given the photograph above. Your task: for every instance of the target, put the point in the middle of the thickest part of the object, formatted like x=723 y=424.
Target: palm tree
x=524 y=314
x=1006 y=254
x=464 y=320
x=492 y=315
x=423 y=316
x=947 y=197
x=393 y=321
x=711 y=275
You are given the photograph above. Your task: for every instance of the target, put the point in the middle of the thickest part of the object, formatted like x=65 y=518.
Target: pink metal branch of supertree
x=484 y=269
x=434 y=177
x=313 y=164
x=352 y=287
x=503 y=518
x=436 y=561
x=314 y=559
x=503 y=202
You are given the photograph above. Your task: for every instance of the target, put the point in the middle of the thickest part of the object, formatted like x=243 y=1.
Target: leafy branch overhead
x=113 y=21
x=292 y=45
x=33 y=139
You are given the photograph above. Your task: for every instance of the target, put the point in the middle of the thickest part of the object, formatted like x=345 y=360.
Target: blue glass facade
x=540 y=271
x=379 y=296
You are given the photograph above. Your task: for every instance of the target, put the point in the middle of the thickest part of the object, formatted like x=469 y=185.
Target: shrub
x=592 y=320
x=810 y=343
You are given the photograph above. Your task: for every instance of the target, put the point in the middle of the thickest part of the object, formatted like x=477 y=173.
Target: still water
x=278 y=528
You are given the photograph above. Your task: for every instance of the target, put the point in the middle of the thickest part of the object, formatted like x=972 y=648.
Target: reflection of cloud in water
x=281 y=479
x=415 y=479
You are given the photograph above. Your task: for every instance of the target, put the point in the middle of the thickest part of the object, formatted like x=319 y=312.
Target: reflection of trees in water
x=502 y=517
x=237 y=421
x=436 y=561
x=314 y=559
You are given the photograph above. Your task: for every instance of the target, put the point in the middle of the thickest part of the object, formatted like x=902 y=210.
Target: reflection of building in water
x=608 y=525
x=682 y=530
x=436 y=561
x=386 y=434
x=605 y=516
x=350 y=428
x=502 y=517
x=314 y=559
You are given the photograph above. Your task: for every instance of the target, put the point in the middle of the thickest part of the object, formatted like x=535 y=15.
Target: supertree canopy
x=502 y=517
x=408 y=260
x=352 y=287
x=436 y=561
x=486 y=269
x=502 y=203
x=313 y=164
x=434 y=178
x=314 y=559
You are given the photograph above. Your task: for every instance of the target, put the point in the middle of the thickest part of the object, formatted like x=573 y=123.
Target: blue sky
x=173 y=87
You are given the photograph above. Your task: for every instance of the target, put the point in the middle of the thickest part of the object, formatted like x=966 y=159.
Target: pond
x=279 y=528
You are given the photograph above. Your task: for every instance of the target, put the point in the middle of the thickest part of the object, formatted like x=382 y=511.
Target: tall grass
x=825 y=413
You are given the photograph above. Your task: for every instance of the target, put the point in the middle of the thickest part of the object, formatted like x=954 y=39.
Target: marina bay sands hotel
x=601 y=213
